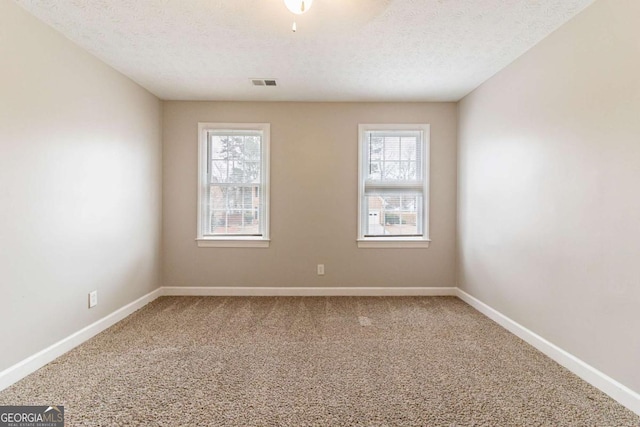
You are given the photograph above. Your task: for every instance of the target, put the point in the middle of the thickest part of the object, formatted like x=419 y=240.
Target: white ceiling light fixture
x=298 y=7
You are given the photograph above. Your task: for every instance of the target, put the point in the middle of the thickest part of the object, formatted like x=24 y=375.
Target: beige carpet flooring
x=321 y=361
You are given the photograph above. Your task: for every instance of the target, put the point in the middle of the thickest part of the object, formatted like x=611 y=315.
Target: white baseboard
x=304 y=291
x=601 y=381
x=31 y=364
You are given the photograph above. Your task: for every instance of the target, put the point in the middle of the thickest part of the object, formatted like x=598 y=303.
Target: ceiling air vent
x=263 y=82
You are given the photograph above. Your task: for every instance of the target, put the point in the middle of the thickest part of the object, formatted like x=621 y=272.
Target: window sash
x=385 y=157
x=393 y=221
x=211 y=208
x=229 y=216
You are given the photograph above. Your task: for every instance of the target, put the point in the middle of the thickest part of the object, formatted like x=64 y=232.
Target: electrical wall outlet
x=93 y=299
x=320 y=269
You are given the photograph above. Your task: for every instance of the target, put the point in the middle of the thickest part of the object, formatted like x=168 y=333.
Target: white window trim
x=395 y=242
x=232 y=241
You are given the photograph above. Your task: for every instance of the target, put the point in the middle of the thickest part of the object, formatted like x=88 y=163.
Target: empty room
x=319 y=213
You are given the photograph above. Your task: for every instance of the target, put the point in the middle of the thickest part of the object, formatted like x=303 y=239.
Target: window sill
x=233 y=243
x=383 y=243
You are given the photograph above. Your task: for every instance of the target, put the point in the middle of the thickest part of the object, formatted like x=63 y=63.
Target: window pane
x=408 y=148
x=393 y=215
x=408 y=170
x=235 y=158
x=392 y=171
x=391 y=148
x=375 y=148
x=236 y=173
x=393 y=158
x=251 y=172
x=252 y=148
x=375 y=170
x=225 y=147
x=219 y=171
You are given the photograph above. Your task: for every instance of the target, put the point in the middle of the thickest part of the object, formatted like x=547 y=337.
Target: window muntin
x=234 y=181
x=393 y=181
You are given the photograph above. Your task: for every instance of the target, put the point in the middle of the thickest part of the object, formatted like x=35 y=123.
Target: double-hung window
x=233 y=196
x=393 y=187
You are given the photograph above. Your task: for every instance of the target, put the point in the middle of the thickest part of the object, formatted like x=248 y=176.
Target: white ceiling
x=344 y=50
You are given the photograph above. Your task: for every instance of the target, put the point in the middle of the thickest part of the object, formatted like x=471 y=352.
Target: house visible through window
x=393 y=185
x=233 y=196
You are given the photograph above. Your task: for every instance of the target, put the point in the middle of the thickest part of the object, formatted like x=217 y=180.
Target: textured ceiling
x=344 y=50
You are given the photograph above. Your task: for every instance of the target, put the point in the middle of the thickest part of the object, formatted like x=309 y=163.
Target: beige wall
x=314 y=151
x=80 y=196
x=549 y=189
